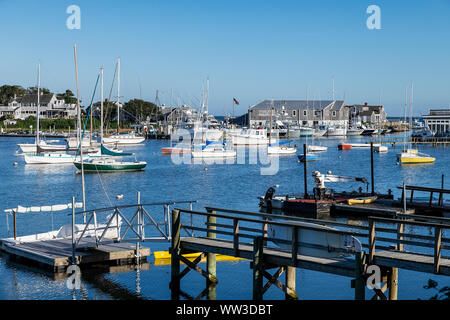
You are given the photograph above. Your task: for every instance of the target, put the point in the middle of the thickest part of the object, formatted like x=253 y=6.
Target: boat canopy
x=56 y=207
x=106 y=151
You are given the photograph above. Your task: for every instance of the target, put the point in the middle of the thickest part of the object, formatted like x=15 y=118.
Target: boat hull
x=121 y=166
x=310 y=236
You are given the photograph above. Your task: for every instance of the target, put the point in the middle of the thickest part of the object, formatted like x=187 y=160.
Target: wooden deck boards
x=58 y=253
x=345 y=267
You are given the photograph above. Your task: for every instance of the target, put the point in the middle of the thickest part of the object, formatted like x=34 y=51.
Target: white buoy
x=206 y=169
x=119 y=196
x=15 y=163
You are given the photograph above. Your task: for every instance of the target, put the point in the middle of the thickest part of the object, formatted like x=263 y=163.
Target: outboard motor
x=268 y=197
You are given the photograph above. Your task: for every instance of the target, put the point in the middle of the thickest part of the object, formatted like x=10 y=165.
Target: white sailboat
x=33 y=147
x=129 y=138
x=278 y=148
x=410 y=155
x=213 y=149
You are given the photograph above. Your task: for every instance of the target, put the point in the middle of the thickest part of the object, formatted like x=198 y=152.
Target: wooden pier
x=56 y=255
x=245 y=235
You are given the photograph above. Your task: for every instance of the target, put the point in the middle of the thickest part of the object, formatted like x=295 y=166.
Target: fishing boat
x=306 y=132
x=369 y=132
x=106 y=164
x=336 y=130
x=213 y=149
x=353 y=131
x=320 y=131
x=250 y=137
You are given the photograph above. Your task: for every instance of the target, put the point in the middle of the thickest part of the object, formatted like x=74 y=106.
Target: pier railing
x=396 y=238
x=242 y=227
x=127 y=223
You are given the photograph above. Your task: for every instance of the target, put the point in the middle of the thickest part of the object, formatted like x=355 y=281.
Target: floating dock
x=57 y=254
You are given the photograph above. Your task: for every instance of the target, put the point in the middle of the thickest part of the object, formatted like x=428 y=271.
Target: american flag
x=235 y=101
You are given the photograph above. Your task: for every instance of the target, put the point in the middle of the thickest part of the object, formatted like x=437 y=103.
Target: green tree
x=7 y=92
x=141 y=109
x=33 y=90
x=67 y=96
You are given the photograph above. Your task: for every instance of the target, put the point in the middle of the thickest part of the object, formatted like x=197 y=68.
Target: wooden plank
x=344 y=267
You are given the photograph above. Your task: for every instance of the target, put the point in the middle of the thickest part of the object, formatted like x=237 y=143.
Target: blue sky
x=251 y=50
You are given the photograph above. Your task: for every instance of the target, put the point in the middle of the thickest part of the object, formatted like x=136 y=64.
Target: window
x=294 y=113
x=305 y=113
x=334 y=113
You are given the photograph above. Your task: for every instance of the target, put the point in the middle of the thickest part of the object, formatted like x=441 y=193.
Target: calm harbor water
x=235 y=186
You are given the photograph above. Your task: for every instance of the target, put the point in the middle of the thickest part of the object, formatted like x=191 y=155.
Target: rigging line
x=103 y=187
x=110 y=93
x=87 y=116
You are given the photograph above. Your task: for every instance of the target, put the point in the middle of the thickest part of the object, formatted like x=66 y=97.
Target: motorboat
x=336 y=131
x=250 y=137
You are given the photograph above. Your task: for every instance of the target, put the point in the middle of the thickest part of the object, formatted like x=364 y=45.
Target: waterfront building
x=50 y=107
x=301 y=112
x=375 y=115
x=438 y=120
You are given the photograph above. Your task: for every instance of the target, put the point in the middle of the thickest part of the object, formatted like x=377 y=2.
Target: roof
x=299 y=104
x=32 y=99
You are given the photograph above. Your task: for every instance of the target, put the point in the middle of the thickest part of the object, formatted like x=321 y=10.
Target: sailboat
x=118 y=138
x=53 y=157
x=213 y=149
x=39 y=145
x=410 y=155
x=107 y=162
x=278 y=147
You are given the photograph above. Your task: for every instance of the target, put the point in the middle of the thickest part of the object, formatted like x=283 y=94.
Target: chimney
x=15 y=96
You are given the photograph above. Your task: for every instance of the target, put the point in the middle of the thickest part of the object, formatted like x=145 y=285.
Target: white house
x=50 y=107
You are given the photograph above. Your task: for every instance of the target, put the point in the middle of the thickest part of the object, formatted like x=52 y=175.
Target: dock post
x=211 y=257
x=290 y=282
x=304 y=171
x=258 y=268
x=371 y=168
x=15 y=224
x=139 y=222
x=393 y=284
x=360 y=285
x=175 y=260
x=73 y=231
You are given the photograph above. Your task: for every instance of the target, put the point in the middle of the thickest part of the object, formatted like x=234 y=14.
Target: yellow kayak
x=361 y=200
x=163 y=257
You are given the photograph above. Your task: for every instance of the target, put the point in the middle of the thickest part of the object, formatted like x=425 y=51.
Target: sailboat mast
x=38 y=105
x=79 y=131
x=101 y=106
x=410 y=110
x=270 y=124
x=118 y=94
